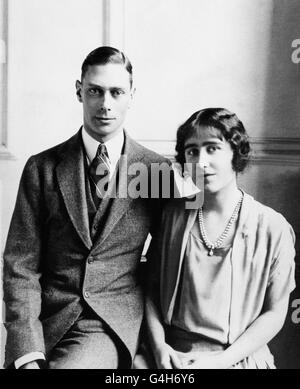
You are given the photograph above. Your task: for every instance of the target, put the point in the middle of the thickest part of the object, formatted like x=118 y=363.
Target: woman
x=221 y=274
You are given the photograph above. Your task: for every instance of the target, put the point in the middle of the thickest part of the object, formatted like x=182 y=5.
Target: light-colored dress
x=207 y=302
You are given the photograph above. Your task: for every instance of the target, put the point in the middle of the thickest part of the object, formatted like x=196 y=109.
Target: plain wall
x=232 y=53
x=211 y=53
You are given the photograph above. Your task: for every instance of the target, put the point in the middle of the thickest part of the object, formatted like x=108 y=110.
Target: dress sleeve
x=282 y=273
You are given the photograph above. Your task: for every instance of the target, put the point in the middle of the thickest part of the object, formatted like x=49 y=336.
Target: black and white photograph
x=149 y=187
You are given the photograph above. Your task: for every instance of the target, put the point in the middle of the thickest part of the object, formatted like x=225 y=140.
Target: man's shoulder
x=54 y=153
x=148 y=154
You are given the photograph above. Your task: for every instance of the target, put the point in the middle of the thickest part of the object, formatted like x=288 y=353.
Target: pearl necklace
x=211 y=246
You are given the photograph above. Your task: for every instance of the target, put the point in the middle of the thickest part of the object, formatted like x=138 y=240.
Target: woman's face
x=213 y=155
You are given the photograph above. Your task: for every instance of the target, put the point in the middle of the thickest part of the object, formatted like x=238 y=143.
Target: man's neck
x=104 y=138
x=114 y=147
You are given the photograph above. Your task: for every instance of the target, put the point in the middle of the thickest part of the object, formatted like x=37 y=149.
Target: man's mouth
x=104 y=119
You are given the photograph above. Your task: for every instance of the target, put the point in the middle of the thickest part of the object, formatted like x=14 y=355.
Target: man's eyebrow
x=95 y=85
x=90 y=84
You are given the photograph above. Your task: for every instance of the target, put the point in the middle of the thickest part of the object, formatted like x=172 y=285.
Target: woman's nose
x=203 y=162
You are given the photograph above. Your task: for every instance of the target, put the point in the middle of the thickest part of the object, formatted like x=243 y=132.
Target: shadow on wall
x=279 y=187
x=278 y=184
x=282 y=195
x=281 y=111
x=286 y=345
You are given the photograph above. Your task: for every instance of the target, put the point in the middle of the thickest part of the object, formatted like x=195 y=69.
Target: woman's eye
x=193 y=152
x=211 y=149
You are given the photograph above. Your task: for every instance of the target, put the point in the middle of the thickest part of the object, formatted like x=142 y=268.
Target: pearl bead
x=218 y=243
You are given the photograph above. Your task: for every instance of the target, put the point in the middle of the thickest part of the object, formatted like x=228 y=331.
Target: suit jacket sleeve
x=22 y=269
x=167 y=191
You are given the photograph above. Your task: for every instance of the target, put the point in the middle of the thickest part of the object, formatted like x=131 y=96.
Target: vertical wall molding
x=114 y=23
x=4 y=14
x=106 y=22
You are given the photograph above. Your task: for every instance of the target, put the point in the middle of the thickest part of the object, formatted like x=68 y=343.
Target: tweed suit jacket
x=51 y=264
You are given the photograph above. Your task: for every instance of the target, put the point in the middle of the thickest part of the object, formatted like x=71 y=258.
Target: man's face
x=106 y=95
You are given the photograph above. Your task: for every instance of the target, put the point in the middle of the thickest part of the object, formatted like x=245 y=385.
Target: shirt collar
x=114 y=146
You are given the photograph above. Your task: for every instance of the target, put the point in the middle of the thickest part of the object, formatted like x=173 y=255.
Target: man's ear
x=133 y=90
x=132 y=93
x=78 y=86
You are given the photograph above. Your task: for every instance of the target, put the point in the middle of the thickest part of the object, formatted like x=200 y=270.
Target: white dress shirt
x=114 y=148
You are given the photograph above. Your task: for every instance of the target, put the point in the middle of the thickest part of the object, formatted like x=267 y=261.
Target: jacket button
x=90 y=260
x=86 y=295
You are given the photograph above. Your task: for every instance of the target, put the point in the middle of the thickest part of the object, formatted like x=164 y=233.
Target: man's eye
x=94 y=91
x=117 y=92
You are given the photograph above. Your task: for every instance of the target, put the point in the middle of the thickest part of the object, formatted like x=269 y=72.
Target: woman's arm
x=165 y=356
x=258 y=334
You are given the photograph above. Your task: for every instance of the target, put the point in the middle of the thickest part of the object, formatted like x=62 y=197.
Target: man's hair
x=231 y=128
x=104 y=55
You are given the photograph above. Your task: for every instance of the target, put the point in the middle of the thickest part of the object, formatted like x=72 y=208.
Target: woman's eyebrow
x=212 y=142
x=206 y=143
x=191 y=145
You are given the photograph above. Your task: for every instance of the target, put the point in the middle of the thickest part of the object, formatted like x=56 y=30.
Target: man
x=71 y=259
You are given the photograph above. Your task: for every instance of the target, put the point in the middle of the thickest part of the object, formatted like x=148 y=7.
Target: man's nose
x=106 y=102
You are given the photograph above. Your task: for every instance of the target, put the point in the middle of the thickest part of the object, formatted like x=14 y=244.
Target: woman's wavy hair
x=231 y=128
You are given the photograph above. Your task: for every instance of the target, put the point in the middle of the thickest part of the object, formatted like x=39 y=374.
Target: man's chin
x=100 y=130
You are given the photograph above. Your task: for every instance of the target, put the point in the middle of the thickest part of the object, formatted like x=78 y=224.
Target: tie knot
x=102 y=150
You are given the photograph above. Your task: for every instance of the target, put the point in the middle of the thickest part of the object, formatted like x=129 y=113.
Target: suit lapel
x=118 y=202
x=71 y=180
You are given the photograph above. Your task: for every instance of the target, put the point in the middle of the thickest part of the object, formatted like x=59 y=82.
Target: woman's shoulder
x=266 y=216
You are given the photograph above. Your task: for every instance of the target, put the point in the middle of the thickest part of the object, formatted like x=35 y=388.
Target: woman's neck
x=223 y=200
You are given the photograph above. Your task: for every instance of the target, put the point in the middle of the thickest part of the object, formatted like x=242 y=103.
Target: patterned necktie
x=99 y=174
